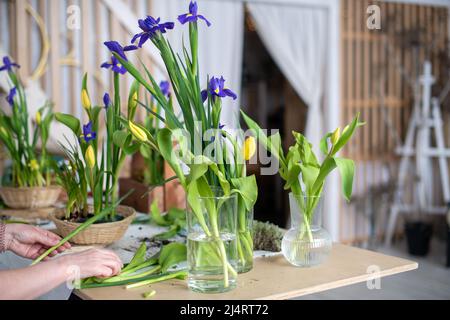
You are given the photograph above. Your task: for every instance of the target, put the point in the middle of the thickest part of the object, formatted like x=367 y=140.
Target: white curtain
x=297 y=37
x=220 y=46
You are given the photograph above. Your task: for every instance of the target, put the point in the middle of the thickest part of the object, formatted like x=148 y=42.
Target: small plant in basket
x=94 y=166
x=31 y=170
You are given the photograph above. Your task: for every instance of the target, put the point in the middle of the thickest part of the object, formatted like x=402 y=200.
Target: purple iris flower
x=11 y=95
x=114 y=64
x=192 y=16
x=217 y=89
x=114 y=46
x=8 y=64
x=149 y=27
x=88 y=133
x=106 y=100
x=165 y=86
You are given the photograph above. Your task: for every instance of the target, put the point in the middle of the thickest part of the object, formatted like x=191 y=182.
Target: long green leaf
x=346 y=169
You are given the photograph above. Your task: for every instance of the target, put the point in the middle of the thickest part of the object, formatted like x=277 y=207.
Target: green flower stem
x=297 y=192
x=222 y=251
x=240 y=252
x=145 y=264
x=122 y=277
x=170 y=275
x=175 y=275
x=115 y=184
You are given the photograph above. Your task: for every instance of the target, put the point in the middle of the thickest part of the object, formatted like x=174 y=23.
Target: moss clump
x=267 y=236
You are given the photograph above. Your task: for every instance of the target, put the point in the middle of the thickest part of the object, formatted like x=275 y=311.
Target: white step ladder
x=425 y=117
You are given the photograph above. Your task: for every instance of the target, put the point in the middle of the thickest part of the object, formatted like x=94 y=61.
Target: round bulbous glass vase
x=306 y=243
x=212 y=244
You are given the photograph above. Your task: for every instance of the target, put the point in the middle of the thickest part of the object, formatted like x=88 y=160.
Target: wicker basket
x=30 y=197
x=102 y=233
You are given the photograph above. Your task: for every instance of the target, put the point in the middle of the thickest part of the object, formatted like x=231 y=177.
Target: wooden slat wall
x=373 y=85
x=72 y=52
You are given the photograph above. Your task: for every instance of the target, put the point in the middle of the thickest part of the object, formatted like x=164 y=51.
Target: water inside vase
x=206 y=266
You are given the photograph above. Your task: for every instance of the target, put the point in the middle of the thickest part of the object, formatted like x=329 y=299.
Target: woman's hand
x=30 y=241
x=100 y=263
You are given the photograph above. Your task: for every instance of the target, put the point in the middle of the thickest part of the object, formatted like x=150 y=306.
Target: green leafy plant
x=92 y=165
x=20 y=138
x=301 y=170
x=200 y=112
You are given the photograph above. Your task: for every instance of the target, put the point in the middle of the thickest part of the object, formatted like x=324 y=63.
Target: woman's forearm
x=33 y=282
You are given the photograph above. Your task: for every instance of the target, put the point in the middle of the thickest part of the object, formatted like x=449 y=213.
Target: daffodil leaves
x=247 y=189
x=347 y=133
x=272 y=143
x=70 y=121
x=166 y=149
x=324 y=144
x=156 y=215
x=196 y=189
x=123 y=140
x=301 y=168
x=138 y=258
x=346 y=169
x=171 y=255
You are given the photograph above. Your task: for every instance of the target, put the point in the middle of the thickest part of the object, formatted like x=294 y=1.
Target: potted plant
x=307 y=243
x=207 y=160
x=96 y=167
x=147 y=176
x=31 y=184
x=418 y=231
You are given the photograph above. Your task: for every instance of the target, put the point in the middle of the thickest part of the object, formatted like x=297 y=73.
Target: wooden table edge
x=341 y=283
x=316 y=289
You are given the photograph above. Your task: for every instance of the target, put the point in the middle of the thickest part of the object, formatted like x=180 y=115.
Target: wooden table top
x=274 y=278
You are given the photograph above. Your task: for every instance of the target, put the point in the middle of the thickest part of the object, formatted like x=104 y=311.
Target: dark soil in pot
x=418 y=235
x=77 y=218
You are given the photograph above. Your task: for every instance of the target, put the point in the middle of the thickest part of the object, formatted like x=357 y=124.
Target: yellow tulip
x=137 y=132
x=249 y=148
x=133 y=102
x=90 y=157
x=335 y=136
x=34 y=165
x=38 y=118
x=85 y=101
